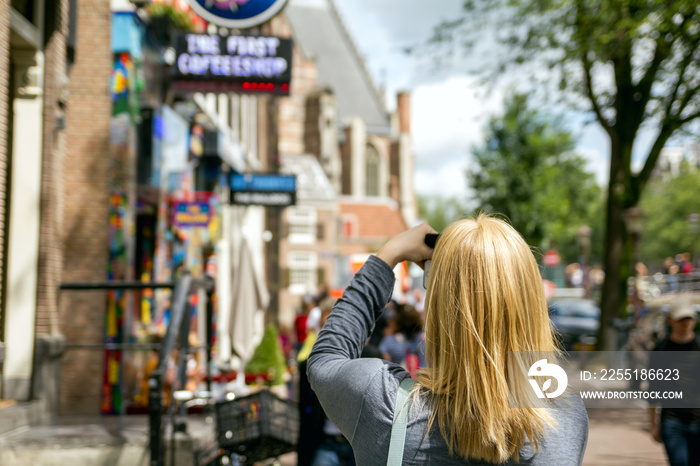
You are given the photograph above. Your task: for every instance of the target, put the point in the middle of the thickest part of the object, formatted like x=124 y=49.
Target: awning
x=250 y=295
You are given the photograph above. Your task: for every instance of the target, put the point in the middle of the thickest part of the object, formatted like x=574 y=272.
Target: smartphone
x=430 y=241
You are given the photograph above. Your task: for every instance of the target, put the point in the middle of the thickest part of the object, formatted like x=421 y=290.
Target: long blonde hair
x=484 y=298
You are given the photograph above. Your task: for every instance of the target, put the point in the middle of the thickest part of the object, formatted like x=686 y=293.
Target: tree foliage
x=439 y=211
x=527 y=171
x=667 y=203
x=268 y=357
x=635 y=62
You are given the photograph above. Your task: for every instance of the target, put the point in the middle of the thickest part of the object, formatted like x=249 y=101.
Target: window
x=302 y=272
x=302 y=222
x=371 y=171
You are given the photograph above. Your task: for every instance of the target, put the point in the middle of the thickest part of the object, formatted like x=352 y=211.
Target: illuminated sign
x=237 y=13
x=191 y=214
x=235 y=63
x=263 y=189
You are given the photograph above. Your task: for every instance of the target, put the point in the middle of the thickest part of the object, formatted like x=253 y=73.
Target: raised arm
x=338 y=377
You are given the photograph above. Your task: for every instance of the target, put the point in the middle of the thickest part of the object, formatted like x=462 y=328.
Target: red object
x=300 y=328
x=251 y=378
x=551 y=258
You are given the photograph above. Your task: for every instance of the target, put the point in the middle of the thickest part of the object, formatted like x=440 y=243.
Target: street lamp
x=693 y=220
x=634 y=219
x=583 y=237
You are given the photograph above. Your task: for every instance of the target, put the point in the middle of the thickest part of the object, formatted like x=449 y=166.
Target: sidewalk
x=97 y=441
x=620 y=437
x=616 y=437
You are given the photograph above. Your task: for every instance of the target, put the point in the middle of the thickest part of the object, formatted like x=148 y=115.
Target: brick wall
x=52 y=187
x=86 y=214
x=292 y=110
x=4 y=132
x=312 y=133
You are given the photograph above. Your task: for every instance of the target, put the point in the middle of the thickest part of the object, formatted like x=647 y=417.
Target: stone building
x=338 y=116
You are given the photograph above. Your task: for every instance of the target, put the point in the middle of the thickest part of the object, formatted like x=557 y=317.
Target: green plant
x=268 y=357
x=179 y=19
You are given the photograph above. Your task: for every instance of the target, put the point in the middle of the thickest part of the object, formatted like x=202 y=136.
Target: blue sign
x=263 y=189
x=264 y=183
x=237 y=13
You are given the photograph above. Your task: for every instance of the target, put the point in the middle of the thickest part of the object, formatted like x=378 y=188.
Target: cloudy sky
x=449 y=108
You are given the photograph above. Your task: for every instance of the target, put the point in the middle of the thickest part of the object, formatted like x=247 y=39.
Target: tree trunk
x=614 y=288
x=618 y=252
x=618 y=257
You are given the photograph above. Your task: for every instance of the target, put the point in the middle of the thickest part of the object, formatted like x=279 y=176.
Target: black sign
x=206 y=62
x=263 y=189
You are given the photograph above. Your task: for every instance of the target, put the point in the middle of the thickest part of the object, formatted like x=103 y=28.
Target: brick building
x=58 y=200
x=36 y=52
x=338 y=116
x=86 y=205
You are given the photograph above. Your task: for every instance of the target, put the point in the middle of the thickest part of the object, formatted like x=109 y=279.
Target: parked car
x=576 y=321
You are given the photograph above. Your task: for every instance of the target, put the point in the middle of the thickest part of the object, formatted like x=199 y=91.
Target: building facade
x=36 y=52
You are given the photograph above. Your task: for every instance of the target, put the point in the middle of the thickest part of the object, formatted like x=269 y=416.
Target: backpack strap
x=398 y=427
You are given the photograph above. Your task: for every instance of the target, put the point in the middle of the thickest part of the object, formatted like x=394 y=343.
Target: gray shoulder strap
x=398 y=428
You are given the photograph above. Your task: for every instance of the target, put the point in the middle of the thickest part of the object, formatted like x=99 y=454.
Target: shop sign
x=191 y=214
x=270 y=190
x=209 y=62
x=237 y=14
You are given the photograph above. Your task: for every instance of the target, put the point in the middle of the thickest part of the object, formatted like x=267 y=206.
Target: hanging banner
x=238 y=14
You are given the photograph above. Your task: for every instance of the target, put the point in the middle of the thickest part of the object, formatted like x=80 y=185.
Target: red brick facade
x=53 y=188
x=86 y=209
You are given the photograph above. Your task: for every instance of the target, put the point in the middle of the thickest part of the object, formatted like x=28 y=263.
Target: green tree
x=268 y=357
x=636 y=63
x=527 y=171
x=667 y=203
x=439 y=211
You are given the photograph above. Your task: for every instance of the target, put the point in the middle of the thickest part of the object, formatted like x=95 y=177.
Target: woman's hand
x=409 y=245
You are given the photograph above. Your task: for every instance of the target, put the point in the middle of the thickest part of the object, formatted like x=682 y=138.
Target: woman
x=484 y=299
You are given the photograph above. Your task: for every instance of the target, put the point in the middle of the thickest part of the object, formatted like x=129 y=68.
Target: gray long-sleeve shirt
x=358 y=394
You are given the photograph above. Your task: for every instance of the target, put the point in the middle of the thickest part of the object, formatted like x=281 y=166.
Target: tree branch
x=645 y=84
x=668 y=108
x=689 y=118
x=592 y=97
x=580 y=15
x=643 y=177
x=690 y=93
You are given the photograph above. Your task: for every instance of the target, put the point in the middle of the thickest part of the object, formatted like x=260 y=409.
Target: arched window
x=371 y=171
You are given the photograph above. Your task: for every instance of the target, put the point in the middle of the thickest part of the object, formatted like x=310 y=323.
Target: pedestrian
x=678 y=428
x=393 y=345
x=320 y=443
x=484 y=299
x=301 y=320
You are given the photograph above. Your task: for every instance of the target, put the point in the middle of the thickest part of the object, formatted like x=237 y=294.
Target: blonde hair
x=484 y=299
